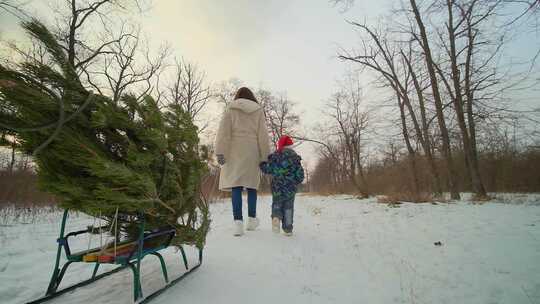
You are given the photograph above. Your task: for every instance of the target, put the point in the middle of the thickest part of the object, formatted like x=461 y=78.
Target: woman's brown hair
x=245 y=93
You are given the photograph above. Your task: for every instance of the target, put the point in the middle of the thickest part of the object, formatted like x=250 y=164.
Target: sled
x=128 y=254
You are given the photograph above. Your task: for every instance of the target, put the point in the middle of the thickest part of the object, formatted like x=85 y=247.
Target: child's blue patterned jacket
x=286 y=170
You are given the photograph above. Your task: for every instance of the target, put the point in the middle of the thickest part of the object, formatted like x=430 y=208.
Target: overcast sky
x=285 y=46
x=282 y=45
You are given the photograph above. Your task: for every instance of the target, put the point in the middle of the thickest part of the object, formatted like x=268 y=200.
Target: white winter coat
x=243 y=139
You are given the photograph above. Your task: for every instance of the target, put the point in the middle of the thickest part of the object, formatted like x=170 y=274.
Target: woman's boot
x=238 y=228
x=252 y=223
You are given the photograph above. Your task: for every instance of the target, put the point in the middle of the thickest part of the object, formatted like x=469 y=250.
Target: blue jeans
x=283 y=208
x=237 y=202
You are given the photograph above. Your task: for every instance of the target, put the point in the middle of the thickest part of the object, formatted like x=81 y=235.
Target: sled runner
x=128 y=254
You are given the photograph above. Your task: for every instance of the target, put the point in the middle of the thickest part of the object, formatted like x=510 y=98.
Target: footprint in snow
x=308 y=290
x=3 y=268
x=499 y=271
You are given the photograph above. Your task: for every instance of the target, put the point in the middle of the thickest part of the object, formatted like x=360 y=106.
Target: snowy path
x=343 y=251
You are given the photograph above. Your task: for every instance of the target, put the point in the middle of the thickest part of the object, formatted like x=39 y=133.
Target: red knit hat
x=284 y=141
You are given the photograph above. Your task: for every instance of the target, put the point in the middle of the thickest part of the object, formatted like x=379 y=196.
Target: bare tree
x=467 y=68
x=466 y=26
x=14 y=7
x=382 y=56
x=72 y=19
x=529 y=9
x=459 y=44
x=280 y=115
x=35 y=52
x=424 y=42
x=224 y=92
x=425 y=139
x=108 y=52
x=189 y=89
x=128 y=66
x=344 y=4
x=323 y=177
x=350 y=122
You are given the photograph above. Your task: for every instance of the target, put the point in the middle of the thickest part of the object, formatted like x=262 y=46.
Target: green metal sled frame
x=133 y=261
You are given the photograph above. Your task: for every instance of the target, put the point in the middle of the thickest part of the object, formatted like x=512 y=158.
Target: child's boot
x=275 y=224
x=252 y=223
x=287 y=233
x=238 y=228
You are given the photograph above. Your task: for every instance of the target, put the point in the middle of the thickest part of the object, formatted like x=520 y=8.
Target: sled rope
x=100 y=233
x=90 y=234
x=104 y=247
x=115 y=229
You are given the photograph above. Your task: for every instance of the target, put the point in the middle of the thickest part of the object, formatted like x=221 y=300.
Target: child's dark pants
x=283 y=208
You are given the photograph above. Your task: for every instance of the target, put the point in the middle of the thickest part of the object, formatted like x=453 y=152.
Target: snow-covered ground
x=344 y=251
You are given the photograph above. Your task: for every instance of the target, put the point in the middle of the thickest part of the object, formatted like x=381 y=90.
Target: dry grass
x=20 y=199
x=480 y=199
x=313 y=194
x=20 y=188
x=406 y=197
x=16 y=214
x=501 y=171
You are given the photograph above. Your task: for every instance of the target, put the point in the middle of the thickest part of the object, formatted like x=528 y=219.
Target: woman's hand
x=221 y=159
x=264 y=167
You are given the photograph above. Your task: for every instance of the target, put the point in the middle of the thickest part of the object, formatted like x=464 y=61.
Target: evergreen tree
x=98 y=156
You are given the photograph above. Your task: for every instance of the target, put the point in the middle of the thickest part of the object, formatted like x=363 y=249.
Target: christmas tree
x=98 y=156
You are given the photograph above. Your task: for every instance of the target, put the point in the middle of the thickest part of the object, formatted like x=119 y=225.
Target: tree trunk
x=470 y=117
x=72 y=30
x=425 y=141
x=470 y=155
x=359 y=170
x=351 y=172
x=12 y=161
x=447 y=153
x=410 y=149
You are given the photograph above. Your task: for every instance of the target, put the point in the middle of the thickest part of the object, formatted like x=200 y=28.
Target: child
x=287 y=172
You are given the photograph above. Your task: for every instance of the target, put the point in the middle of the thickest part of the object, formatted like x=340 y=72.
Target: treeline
x=500 y=172
x=450 y=87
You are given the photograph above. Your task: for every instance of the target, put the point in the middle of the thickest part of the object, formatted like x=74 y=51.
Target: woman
x=241 y=144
